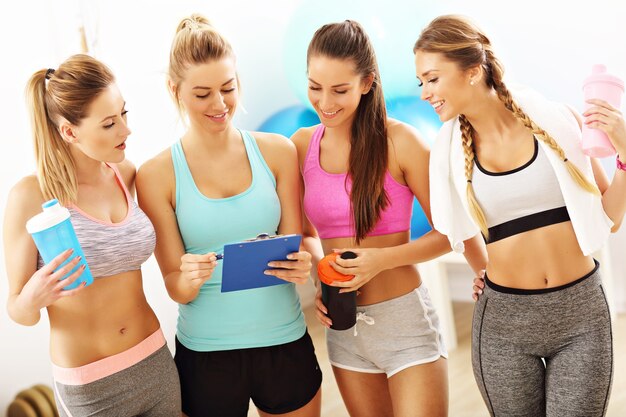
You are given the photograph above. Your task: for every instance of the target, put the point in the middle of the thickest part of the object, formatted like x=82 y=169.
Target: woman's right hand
x=197 y=269
x=479 y=284
x=320 y=309
x=45 y=286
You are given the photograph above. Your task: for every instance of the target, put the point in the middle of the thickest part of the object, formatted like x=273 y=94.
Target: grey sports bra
x=113 y=248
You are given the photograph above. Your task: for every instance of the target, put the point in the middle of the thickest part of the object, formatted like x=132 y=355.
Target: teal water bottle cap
x=53 y=214
x=50 y=203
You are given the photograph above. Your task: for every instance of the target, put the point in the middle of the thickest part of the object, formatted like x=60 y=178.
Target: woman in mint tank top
x=214 y=186
x=361 y=171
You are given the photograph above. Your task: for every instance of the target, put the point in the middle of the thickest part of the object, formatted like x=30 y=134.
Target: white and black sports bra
x=523 y=199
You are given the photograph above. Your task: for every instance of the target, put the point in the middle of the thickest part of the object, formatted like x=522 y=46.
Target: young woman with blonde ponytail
x=508 y=163
x=219 y=185
x=108 y=352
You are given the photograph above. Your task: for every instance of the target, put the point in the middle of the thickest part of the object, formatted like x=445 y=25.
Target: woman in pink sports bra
x=108 y=352
x=360 y=171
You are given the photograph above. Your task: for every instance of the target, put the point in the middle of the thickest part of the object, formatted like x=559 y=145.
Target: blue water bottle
x=53 y=234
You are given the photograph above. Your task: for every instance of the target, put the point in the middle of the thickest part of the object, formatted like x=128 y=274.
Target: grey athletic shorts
x=141 y=381
x=390 y=336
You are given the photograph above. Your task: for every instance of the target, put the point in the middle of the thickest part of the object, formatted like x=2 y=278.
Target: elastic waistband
x=522 y=291
x=110 y=365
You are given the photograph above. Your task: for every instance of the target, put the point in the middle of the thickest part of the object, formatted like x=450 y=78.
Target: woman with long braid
x=509 y=163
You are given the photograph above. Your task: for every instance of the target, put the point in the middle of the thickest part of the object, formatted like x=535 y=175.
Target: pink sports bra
x=327 y=199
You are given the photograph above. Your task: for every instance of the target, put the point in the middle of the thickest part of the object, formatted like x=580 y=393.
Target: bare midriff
x=541 y=258
x=104 y=319
x=388 y=284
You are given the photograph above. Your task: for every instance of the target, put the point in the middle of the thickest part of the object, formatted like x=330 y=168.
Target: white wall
x=549 y=45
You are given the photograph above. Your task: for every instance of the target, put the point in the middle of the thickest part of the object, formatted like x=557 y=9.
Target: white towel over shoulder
x=449 y=206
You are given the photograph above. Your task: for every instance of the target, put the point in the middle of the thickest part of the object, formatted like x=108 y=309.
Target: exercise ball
x=416 y=112
x=419 y=222
x=289 y=119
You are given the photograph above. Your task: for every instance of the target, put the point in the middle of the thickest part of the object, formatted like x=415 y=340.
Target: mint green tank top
x=242 y=319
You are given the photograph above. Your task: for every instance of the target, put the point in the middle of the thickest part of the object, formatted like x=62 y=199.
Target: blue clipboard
x=244 y=262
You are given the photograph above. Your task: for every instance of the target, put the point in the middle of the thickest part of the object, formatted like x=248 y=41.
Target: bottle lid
x=327 y=273
x=599 y=74
x=53 y=214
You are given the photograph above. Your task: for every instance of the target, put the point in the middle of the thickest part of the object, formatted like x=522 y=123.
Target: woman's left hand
x=297 y=269
x=601 y=115
x=367 y=264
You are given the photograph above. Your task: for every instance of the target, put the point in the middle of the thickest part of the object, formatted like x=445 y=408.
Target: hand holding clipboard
x=264 y=261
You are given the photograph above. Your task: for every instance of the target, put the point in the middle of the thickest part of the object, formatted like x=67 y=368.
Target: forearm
x=614 y=198
x=475 y=254
x=22 y=313
x=178 y=289
x=314 y=247
x=429 y=246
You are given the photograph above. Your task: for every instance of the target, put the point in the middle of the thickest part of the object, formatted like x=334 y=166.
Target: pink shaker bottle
x=601 y=85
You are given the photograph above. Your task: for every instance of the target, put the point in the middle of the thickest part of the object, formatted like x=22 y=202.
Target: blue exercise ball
x=289 y=119
x=392 y=30
x=416 y=112
x=419 y=222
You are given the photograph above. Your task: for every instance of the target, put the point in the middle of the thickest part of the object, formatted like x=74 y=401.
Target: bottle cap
x=53 y=214
x=599 y=74
x=327 y=273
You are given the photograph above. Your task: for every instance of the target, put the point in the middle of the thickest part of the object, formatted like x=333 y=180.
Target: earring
x=471 y=82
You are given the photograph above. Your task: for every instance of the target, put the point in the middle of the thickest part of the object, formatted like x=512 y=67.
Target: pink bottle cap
x=599 y=74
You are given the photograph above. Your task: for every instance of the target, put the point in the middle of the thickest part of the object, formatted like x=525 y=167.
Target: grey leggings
x=149 y=388
x=538 y=353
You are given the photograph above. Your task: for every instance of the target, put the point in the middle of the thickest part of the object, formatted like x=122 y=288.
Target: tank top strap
x=122 y=184
x=258 y=166
x=182 y=173
x=312 y=158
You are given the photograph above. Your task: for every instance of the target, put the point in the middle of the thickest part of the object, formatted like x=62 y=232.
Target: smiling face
x=447 y=87
x=209 y=93
x=102 y=134
x=335 y=89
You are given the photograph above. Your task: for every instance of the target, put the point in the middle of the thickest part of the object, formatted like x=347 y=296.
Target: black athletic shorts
x=279 y=379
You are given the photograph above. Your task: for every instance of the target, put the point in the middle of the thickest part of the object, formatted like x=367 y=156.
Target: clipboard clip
x=262 y=236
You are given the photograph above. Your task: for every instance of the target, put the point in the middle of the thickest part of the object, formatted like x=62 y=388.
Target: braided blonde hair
x=462 y=42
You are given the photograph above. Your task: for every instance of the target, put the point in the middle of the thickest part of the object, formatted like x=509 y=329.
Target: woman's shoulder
x=26 y=196
x=157 y=168
x=303 y=136
x=273 y=143
x=269 y=137
x=405 y=138
x=158 y=162
x=27 y=187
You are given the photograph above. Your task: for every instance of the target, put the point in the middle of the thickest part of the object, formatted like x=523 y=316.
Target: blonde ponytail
x=67 y=94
